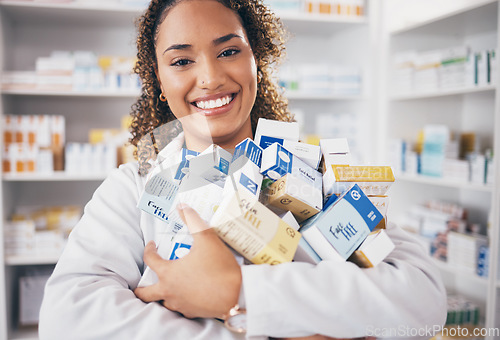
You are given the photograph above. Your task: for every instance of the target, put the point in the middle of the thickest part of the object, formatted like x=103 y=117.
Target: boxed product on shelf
x=483 y=261
x=286 y=6
x=463 y=250
x=403 y=71
x=33 y=143
x=336 y=7
x=457 y=67
x=436 y=138
x=462 y=311
x=456 y=169
x=19 y=80
x=86 y=158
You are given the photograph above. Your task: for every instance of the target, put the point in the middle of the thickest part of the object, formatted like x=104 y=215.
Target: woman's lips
x=215 y=106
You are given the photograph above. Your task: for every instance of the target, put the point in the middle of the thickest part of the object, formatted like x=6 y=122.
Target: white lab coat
x=90 y=294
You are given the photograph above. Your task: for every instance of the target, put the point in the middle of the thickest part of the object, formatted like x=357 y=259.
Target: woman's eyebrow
x=225 y=38
x=177 y=47
x=216 y=42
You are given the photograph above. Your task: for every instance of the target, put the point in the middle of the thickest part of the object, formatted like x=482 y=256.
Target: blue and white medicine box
x=183 y=168
x=344 y=225
x=274 y=131
x=159 y=194
x=278 y=161
x=212 y=164
x=244 y=171
x=249 y=149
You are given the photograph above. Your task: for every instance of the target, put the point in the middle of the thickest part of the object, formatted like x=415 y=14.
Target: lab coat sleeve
x=403 y=294
x=90 y=293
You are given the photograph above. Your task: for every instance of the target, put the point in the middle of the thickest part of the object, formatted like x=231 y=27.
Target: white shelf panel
x=295 y=95
x=109 y=14
x=319 y=24
x=57 y=176
x=445 y=267
x=444 y=182
x=30 y=260
x=470 y=18
x=72 y=13
x=444 y=93
x=101 y=93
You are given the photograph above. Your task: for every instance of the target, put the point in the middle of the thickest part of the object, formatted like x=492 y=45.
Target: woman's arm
x=340 y=300
x=401 y=295
x=89 y=295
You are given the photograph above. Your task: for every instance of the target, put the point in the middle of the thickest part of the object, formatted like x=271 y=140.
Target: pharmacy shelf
x=25 y=333
x=94 y=93
x=444 y=93
x=57 y=176
x=439 y=181
x=446 y=267
x=104 y=14
x=464 y=18
x=296 y=95
x=109 y=14
x=30 y=260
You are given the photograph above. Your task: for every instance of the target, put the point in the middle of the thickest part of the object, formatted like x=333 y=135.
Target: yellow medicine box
x=373 y=180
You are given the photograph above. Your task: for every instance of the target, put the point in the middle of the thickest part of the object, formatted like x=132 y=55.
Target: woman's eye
x=229 y=52
x=181 y=62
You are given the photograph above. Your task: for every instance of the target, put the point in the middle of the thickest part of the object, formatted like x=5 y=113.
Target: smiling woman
x=206 y=71
x=211 y=65
x=204 y=59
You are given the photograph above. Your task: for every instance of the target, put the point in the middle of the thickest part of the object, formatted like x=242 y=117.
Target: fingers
x=152 y=258
x=191 y=218
x=149 y=293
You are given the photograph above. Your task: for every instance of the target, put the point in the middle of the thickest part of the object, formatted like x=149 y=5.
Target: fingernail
x=151 y=244
x=182 y=206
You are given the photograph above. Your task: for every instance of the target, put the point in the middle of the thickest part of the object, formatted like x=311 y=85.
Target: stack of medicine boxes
x=269 y=202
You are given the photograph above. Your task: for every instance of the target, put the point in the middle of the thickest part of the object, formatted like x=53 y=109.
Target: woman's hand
x=205 y=283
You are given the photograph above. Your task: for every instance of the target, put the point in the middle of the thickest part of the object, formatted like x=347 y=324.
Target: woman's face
x=207 y=72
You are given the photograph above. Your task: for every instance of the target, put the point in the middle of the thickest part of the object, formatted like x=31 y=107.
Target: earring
x=162 y=97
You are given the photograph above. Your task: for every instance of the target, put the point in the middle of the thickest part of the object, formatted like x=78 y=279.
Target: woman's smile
x=214 y=105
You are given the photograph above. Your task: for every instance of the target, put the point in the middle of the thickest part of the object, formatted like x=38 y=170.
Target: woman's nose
x=211 y=75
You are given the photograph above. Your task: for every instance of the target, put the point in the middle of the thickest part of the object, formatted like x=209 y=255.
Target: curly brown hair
x=267 y=38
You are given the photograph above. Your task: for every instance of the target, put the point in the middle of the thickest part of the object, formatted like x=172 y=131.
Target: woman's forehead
x=192 y=19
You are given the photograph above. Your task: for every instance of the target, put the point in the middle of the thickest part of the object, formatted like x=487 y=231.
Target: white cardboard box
x=274 y=131
x=373 y=250
x=310 y=154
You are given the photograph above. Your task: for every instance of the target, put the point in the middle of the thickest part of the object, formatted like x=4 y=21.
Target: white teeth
x=212 y=104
